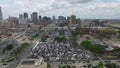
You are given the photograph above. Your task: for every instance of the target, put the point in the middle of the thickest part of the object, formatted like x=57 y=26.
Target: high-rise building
x=46 y=20
x=53 y=19
x=99 y=23
x=1 y=13
x=73 y=19
x=79 y=23
x=25 y=15
x=21 y=16
x=61 y=19
x=40 y=17
x=34 y=17
x=68 y=18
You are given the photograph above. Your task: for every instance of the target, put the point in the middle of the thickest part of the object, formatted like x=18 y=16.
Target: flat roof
x=28 y=62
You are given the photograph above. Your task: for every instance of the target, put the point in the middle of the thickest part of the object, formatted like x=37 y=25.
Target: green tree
x=59 y=66
x=25 y=44
x=62 y=33
x=74 y=39
x=36 y=35
x=74 y=34
x=43 y=39
x=3 y=51
x=9 y=47
x=114 y=65
x=89 y=66
x=48 y=66
x=88 y=38
x=68 y=66
x=100 y=65
x=60 y=39
x=110 y=65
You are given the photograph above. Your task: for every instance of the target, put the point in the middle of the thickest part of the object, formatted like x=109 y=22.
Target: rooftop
x=28 y=62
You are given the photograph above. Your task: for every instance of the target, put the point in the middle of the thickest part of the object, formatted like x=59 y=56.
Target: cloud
x=78 y=1
x=60 y=4
x=46 y=5
x=64 y=7
x=67 y=3
x=36 y=5
x=102 y=5
x=4 y=6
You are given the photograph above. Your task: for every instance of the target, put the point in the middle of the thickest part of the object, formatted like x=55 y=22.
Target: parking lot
x=60 y=52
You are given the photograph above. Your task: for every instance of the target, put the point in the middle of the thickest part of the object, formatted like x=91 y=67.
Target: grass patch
x=16 y=52
x=97 y=48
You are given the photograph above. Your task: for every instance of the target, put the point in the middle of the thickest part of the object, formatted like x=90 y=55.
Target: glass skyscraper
x=1 y=13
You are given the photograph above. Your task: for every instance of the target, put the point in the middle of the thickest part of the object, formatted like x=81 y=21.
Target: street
x=15 y=62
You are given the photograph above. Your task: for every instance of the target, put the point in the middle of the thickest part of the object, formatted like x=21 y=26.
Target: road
x=15 y=62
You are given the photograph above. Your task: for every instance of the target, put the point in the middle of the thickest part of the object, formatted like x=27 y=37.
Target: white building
x=24 y=21
x=32 y=63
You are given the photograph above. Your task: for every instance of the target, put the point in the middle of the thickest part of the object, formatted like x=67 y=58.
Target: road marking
x=37 y=42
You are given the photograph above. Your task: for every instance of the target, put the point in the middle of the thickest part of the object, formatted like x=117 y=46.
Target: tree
x=107 y=65
x=59 y=66
x=74 y=39
x=62 y=32
x=25 y=44
x=43 y=39
x=112 y=65
x=48 y=66
x=60 y=39
x=88 y=38
x=9 y=47
x=118 y=36
x=118 y=31
x=100 y=65
x=36 y=35
x=89 y=66
x=74 y=34
x=68 y=66
x=3 y=51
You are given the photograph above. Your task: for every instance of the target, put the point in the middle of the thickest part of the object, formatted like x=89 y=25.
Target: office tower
x=72 y=19
x=1 y=13
x=31 y=16
x=45 y=19
x=40 y=17
x=53 y=18
x=21 y=16
x=61 y=19
x=49 y=19
x=99 y=23
x=25 y=15
x=34 y=17
x=14 y=20
x=78 y=22
x=68 y=18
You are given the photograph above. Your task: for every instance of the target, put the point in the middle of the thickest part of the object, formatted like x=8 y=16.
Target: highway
x=15 y=62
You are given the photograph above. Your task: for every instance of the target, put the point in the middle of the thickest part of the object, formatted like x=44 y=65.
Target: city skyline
x=85 y=9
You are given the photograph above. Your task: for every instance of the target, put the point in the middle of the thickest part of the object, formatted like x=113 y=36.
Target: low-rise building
x=32 y=63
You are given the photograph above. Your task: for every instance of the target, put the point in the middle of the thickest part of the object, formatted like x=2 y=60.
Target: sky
x=85 y=9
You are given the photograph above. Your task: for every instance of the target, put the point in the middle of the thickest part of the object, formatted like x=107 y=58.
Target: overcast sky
x=109 y=9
